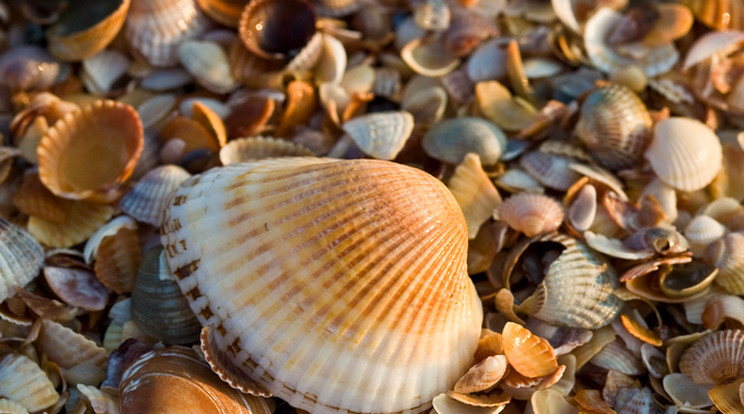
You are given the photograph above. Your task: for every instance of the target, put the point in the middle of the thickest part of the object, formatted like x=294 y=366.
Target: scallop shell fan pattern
x=340 y=286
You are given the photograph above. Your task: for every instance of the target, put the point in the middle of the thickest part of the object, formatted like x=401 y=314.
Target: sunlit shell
x=531 y=214
x=451 y=140
x=146 y=200
x=158 y=306
x=155 y=28
x=12 y=407
x=577 y=290
x=81 y=32
x=636 y=326
x=501 y=108
x=77 y=287
x=167 y=380
x=26 y=68
x=108 y=135
x=256 y=148
x=103 y=69
x=529 y=354
x=445 y=404
x=81 y=360
x=325 y=291
x=191 y=132
x=726 y=399
x=550 y=402
x=429 y=57
x=551 y=170
x=726 y=255
x=382 y=134
x=702 y=231
x=332 y=63
x=654 y=60
x=615 y=126
x=263 y=23
x=21 y=380
x=21 y=258
x=482 y=375
x=474 y=192
x=109 y=229
x=301 y=105
x=225 y=12
x=684 y=153
x=82 y=220
x=716 y=358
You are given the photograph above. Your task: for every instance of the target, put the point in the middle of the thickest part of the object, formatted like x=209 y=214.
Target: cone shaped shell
x=21 y=258
x=717 y=358
x=89 y=152
x=356 y=267
x=685 y=153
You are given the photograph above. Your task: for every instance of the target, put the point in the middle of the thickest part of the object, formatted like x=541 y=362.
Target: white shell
x=208 y=63
x=684 y=153
x=382 y=134
x=100 y=71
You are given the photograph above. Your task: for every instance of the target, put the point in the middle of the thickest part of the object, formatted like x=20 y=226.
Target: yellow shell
x=338 y=286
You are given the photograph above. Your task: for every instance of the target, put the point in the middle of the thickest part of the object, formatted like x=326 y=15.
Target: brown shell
x=117 y=260
x=716 y=358
x=263 y=27
x=36 y=200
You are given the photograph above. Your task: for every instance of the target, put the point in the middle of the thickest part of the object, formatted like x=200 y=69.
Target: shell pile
x=372 y=206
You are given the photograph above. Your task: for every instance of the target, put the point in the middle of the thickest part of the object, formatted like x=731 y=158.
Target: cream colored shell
x=340 y=286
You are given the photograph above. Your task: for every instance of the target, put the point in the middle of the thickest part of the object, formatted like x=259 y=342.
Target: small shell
x=726 y=399
x=167 y=380
x=591 y=400
x=300 y=107
x=191 y=132
x=73 y=37
x=531 y=214
x=528 y=354
x=103 y=402
x=617 y=357
x=466 y=30
x=685 y=153
x=551 y=170
x=89 y=153
x=638 y=401
x=77 y=287
x=445 y=404
x=686 y=393
x=474 y=192
x=108 y=229
x=712 y=44
x=550 y=402
x=81 y=360
x=145 y=201
x=583 y=209
x=727 y=254
x=22 y=381
x=382 y=134
x=615 y=126
x=716 y=358
x=498 y=105
x=720 y=308
x=488 y=62
x=82 y=220
x=702 y=231
x=225 y=12
x=27 y=68
x=208 y=63
x=117 y=260
x=155 y=28
x=103 y=69
x=256 y=148
x=263 y=23
x=332 y=63
x=21 y=258
x=158 y=306
x=429 y=57
x=451 y=140
x=482 y=375
x=427 y=106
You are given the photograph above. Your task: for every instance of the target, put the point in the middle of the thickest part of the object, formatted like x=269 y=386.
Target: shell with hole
x=346 y=255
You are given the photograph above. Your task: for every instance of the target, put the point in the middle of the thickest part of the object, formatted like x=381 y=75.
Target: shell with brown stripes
x=338 y=286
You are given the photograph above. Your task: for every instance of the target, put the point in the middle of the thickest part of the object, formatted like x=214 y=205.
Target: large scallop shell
x=685 y=153
x=716 y=358
x=312 y=271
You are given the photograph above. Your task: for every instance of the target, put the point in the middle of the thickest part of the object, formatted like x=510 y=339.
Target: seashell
x=194 y=135
x=639 y=401
x=431 y=15
x=634 y=323
x=726 y=255
x=725 y=397
x=34 y=199
x=474 y=192
x=109 y=229
x=146 y=200
x=713 y=44
x=716 y=14
x=225 y=12
x=673 y=22
x=528 y=354
x=100 y=401
x=82 y=361
x=103 y=69
x=81 y=221
x=686 y=393
x=550 y=402
x=166 y=380
x=702 y=231
x=256 y=148
x=551 y=170
x=583 y=209
x=27 y=67
x=654 y=361
x=332 y=63
x=720 y=308
x=12 y=407
x=158 y=306
x=77 y=287
x=155 y=109
x=466 y=30
x=652 y=60
x=166 y=79
x=451 y=140
x=21 y=258
x=488 y=62
x=117 y=260
x=364 y=214
x=81 y=32
x=684 y=153
x=250 y=117
x=481 y=400
x=22 y=381
x=615 y=126
x=108 y=135
x=716 y=358
x=459 y=86
x=482 y=375
x=498 y=105
x=300 y=107
x=382 y=134
x=155 y=29
x=428 y=57
x=531 y=214
x=576 y=290
x=538 y=67
x=208 y=63
x=445 y=404
x=591 y=400
x=427 y=106
x=617 y=357
x=263 y=24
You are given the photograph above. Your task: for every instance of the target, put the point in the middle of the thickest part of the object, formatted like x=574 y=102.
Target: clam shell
x=686 y=393
x=429 y=57
x=551 y=170
x=77 y=287
x=117 y=260
x=716 y=358
x=191 y=132
x=103 y=69
x=22 y=381
x=488 y=62
x=450 y=141
x=684 y=153
x=382 y=134
x=466 y=30
x=498 y=105
x=107 y=135
x=109 y=229
x=550 y=402
x=155 y=28
x=725 y=397
x=21 y=258
x=73 y=37
x=208 y=63
x=711 y=44
x=334 y=268
x=167 y=380
x=474 y=192
x=25 y=68
x=528 y=354
x=615 y=126
x=531 y=214
x=702 y=231
x=427 y=106
x=482 y=375
x=727 y=255
x=146 y=200
x=445 y=404
x=617 y=357
x=73 y=352
x=256 y=148
x=583 y=209
x=332 y=63
x=82 y=220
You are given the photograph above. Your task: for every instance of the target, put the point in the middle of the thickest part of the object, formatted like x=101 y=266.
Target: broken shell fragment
x=474 y=192
x=347 y=209
x=35 y=391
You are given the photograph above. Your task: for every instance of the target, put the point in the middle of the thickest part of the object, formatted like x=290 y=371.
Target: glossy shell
x=319 y=263
x=263 y=28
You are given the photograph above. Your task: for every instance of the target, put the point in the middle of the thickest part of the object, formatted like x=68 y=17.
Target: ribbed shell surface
x=21 y=258
x=340 y=286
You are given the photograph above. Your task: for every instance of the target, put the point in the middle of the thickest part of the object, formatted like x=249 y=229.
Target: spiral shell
x=339 y=252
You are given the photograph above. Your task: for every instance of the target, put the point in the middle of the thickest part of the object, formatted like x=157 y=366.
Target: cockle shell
x=259 y=147
x=29 y=67
x=21 y=258
x=727 y=254
x=344 y=256
x=685 y=153
x=474 y=192
x=716 y=358
x=382 y=134
x=531 y=214
x=81 y=359
x=23 y=381
x=145 y=201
